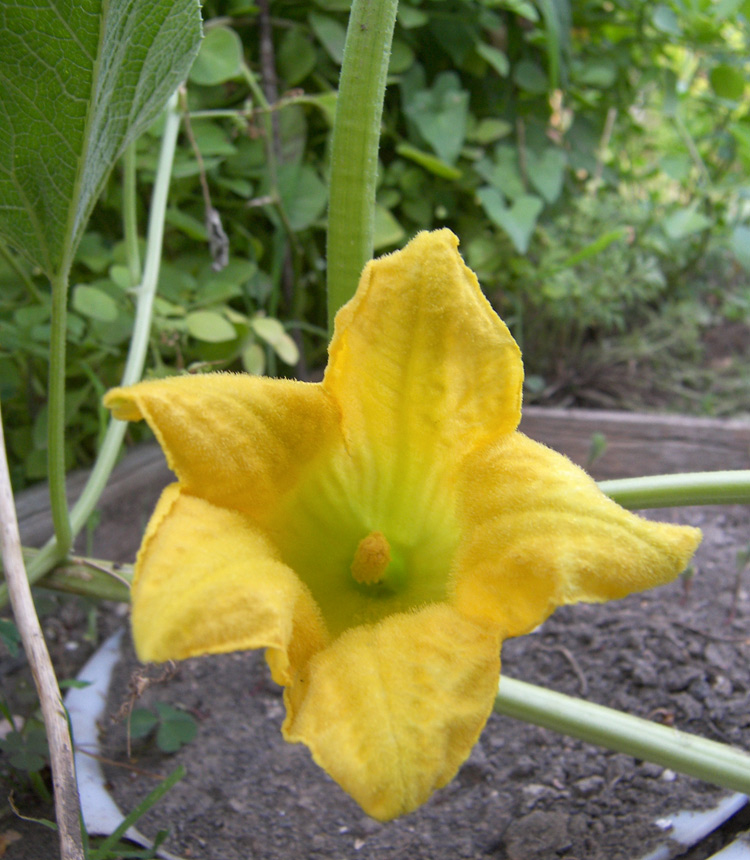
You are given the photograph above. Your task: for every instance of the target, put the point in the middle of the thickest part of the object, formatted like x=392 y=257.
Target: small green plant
x=25 y=753
x=9 y=636
x=170 y=727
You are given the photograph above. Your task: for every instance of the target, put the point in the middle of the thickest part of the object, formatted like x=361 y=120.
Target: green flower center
x=363 y=555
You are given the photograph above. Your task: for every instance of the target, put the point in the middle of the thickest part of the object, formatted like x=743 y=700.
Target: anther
x=371 y=559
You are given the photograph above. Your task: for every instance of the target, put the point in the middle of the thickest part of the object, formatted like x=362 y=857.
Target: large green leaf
x=547 y=171
x=518 y=220
x=440 y=115
x=78 y=81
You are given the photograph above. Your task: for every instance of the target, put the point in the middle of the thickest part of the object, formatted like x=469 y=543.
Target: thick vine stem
x=686 y=488
x=67 y=806
x=354 y=149
x=56 y=416
x=713 y=762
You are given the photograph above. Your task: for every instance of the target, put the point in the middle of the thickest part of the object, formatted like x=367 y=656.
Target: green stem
x=354 y=149
x=154 y=240
x=110 y=448
x=130 y=214
x=689 y=488
x=685 y=753
x=56 y=416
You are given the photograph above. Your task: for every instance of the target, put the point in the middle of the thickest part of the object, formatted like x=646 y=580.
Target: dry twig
x=67 y=806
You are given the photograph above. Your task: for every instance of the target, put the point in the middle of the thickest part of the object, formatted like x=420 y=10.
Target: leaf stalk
x=354 y=148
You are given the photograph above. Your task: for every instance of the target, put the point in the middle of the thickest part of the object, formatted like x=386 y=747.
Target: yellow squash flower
x=379 y=533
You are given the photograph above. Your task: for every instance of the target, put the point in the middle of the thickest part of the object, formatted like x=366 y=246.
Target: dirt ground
x=678 y=655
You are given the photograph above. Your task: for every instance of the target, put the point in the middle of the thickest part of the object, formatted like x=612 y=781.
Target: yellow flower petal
x=237 y=440
x=207 y=581
x=420 y=363
x=540 y=534
x=391 y=710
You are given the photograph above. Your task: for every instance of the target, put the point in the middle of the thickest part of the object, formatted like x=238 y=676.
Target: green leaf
x=274 y=334
x=324 y=102
x=191 y=227
x=600 y=73
x=530 y=77
x=547 y=172
x=740 y=245
x=93 y=253
x=253 y=359
x=402 y=57
x=303 y=193
x=456 y=37
x=387 y=229
x=212 y=139
x=409 y=17
x=495 y=57
x=490 y=129
x=440 y=115
x=94 y=303
x=209 y=326
x=267 y=328
x=296 y=56
x=27 y=751
x=9 y=636
x=331 y=34
x=79 y=82
x=727 y=82
x=121 y=277
x=176 y=728
x=503 y=172
x=141 y=722
x=219 y=59
x=520 y=7
x=286 y=349
x=684 y=223
x=665 y=20
x=518 y=220
x=676 y=165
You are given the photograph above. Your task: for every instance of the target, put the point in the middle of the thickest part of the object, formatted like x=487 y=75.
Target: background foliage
x=593 y=156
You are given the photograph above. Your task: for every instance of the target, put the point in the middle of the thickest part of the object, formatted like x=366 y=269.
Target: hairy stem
x=688 y=488
x=713 y=762
x=354 y=151
x=56 y=416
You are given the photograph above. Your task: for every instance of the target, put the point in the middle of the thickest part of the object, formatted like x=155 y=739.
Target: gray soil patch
x=678 y=655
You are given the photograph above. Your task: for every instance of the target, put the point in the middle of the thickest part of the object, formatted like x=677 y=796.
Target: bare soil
x=678 y=655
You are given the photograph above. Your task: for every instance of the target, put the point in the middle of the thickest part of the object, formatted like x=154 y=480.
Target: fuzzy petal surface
x=420 y=364
x=207 y=581
x=540 y=534
x=391 y=710
x=236 y=440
